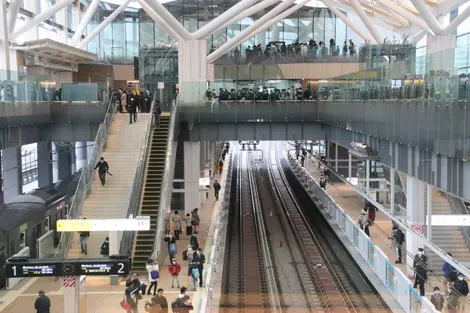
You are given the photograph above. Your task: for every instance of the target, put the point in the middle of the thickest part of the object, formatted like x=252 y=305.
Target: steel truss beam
x=84 y=22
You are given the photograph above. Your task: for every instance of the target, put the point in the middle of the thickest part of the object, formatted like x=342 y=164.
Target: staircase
x=151 y=193
x=111 y=201
x=448 y=238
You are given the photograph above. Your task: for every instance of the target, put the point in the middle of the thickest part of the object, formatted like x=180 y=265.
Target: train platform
x=380 y=233
x=101 y=297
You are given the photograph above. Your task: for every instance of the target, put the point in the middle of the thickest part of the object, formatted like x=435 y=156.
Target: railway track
x=335 y=288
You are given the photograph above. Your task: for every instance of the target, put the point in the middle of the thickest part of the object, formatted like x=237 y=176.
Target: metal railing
x=167 y=183
x=86 y=178
x=458 y=207
x=135 y=191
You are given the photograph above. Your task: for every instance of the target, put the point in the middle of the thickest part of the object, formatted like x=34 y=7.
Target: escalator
x=145 y=240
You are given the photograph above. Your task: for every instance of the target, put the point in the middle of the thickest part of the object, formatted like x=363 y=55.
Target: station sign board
x=67 y=267
x=136 y=224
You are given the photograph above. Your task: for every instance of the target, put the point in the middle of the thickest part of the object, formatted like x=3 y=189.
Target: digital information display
x=136 y=224
x=38 y=269
x=66 y=267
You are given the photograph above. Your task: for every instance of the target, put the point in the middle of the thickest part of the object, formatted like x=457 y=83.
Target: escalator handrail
x=87 y=176
x=167 y=179
x=133 y=199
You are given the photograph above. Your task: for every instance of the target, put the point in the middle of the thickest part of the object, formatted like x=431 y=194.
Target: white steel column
x=392 y=190
x=418 y=37
x=12 y=15
x=428 y=17
x=415 y=216
x=191 y=175
x=456 y=22
x=362 y=14
x=4 y=45
x=42 y=17
x=429 y=213
x=406 y=14
x=169 y=19
x=368 y=177
x=249 y=30
x=84 y=22
x=159 y=20
x=192 y=70
x=336 y=158
x=253 y=10
x=83 y=44
x=347 y=21
x=350 y=166
x=216 y=23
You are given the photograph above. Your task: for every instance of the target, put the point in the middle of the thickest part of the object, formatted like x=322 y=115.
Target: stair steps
x=111 y=200
x=150 y=201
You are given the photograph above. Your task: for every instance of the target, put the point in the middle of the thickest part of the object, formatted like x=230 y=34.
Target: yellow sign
x=74 y=225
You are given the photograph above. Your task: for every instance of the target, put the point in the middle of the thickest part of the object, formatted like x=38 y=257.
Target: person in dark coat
x=103 y=168
x=42 y=303
x=104 y=250
x=217 y=188
x=132 y=107
x=420 y=266
x=399 y=238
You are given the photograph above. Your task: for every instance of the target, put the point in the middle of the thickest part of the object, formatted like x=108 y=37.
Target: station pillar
x=415 y=216
x=81 y=154
x=192 y=70
x=213 y=156
x=64 y=162
x=192 y=172
x=12 y=173
x=44 y=155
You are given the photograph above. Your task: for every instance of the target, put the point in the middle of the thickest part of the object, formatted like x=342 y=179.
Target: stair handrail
x=87 y=176
x=167 y=178
x=458 y=207
x=127 y=237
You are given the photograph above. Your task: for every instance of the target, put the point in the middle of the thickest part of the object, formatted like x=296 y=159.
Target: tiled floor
x=101 y=297
x=352 y=203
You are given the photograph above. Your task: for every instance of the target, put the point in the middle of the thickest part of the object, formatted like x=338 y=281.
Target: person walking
x=146 y=101
x=132 y=296
x=42 y=303
x=103 y=168
x=200 y=259
x=152 y=270
x=157 y=112
x=187 y=222
x=182 y=304
x=84 y=235
x=171 y=240
x=193 y=242
x=399 y=238
x=159 y=301
x=123 y=101
x=450 y=274
x=217 y=188
x=174 y=268
x=437 y=299
x=461 y=286
x=104 y=250
x=195 y=219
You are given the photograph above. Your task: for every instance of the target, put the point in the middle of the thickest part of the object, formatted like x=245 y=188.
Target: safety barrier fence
x=135 y=191
x=396 y=281
x=86 y=178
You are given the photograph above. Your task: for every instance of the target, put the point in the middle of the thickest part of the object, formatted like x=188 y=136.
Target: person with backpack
x=399 y=238
x=193 y=273
x=154 y=275
x=200 y=258
x=104 y=250
x=182 y=304
x=450 y=274
x=157 y=112
x=461 y=288
x=193 y=242
x=174 y=268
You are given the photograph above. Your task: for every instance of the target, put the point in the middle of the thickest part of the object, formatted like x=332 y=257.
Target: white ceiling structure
x=408 y=17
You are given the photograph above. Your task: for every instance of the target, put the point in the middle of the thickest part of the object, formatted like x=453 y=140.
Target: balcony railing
x=439 y=125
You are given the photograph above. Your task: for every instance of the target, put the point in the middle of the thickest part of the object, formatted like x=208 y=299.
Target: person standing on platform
x=364 y=223
x=193 y=242
x=437 y=299
x=399 y=238
x=146 y=101
x=187 y=222
x=171 y=240
x=461 y=286
x=217 y=188
x=371 y=211
x=182 y=304
x=84 y=235
x=42 y=303
x=420 y=266
x=123 y=101
x=450 y=274
x=103 y=168
x=159 y=302
x=177 y=225
x=104 y=250
x=132 y=296
x=132 y=108
x=152 y=270
x=201 y=259
x=174 y=268
x=195 y=219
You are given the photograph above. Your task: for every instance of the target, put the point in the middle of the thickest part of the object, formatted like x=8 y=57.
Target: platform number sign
x=161 y=85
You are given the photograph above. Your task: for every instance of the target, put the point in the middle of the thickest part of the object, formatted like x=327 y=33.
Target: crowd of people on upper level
x=312 y=49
